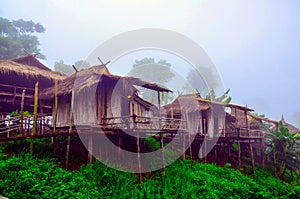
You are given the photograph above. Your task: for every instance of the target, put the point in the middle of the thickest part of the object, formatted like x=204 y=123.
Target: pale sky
x=255 y=44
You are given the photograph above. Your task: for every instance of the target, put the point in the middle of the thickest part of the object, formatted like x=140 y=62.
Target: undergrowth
x=25 y=176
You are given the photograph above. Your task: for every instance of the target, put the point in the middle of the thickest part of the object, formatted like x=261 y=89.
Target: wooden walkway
x=15 y=128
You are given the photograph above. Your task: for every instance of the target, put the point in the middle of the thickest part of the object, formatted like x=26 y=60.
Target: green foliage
x=29 y=177
x=17 y=114
x=17 y=35
x=63 y=68
x=224 y=98
x=67 y=69
x=152 y=143
x=283 y=150
x=235 y=146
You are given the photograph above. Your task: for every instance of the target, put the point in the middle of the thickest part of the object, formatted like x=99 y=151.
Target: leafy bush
x=28 y=177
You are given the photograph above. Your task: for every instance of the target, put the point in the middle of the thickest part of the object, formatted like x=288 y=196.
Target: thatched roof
x=186 y=102
x=92 y=76
x=30 y=60
x=13 y=73
x=292 y=128
x=192 y=102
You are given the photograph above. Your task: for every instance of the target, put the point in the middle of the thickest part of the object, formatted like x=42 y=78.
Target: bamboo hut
x=21 y=74
x=99 y=98
x=208 y=117
x=204 y=117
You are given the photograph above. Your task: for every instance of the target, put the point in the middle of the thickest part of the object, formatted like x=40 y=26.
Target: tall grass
x=25 y=176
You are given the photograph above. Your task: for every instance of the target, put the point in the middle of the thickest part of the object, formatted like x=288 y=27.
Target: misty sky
x=255 y=45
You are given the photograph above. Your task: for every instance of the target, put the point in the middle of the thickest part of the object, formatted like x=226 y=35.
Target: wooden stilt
x=262 y=153
x=252 y=158
x=70 y=128
x=33 y=132
x=189 y=135
x=119 y=145
x=162 y=152
x=100 y=151
x=21 y=112
x=55 y=115
x=205 y=149
x=139 y=156
x=239 y=154
x=183 y=146
x=90 y=148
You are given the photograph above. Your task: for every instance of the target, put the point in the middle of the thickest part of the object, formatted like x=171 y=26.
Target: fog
x=254 y=45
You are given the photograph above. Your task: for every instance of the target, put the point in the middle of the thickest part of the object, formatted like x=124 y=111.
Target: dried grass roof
x=92 y=76
x=31 y=60
x=8 y=67
x=186 y=102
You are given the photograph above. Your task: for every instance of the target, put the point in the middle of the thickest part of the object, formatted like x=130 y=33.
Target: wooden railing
x=15 y=126
x=144 y=123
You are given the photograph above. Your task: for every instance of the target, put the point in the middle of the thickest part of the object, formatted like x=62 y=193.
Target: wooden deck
x=14 y=128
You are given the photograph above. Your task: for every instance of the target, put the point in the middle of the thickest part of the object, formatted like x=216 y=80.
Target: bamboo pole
x=21 y=112
x=252 y=158
x=161 y=136
x=139 y=156
x=70 y=129
x=119 y=145
x=33 y=131
x=183 y=146
x=55 y=115
x=189 y=135
x=90 y=148
x=239 y=154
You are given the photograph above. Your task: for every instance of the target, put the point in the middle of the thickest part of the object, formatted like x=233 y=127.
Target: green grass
x=25 y=176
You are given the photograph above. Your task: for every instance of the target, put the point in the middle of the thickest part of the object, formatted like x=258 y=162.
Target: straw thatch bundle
x=90 y=77
x=15 y=74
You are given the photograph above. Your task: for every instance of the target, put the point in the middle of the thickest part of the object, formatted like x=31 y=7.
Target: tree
x=224 y=98
x=63 y=68
x=67 y=69
x=157 y=72
x=283 y=150
x=17 y=36
x=200 y=79
x=81 y=64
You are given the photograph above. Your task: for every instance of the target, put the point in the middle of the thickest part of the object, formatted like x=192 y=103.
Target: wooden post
x=139 y=156
x=70 y=129
x=183 y=145
x=189 y=134
x=161 y=136
x=55 y=115
x=262 y=153
x=21 y=112
x=252 y=158
x=205 y=148
x=119 y=145
x=33 y=132
x=239 y=154
x=90 y=148
x=14 y=98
